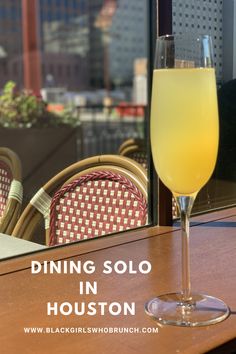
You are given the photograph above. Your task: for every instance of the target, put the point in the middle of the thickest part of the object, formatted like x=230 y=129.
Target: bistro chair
x=136 y=150
x=128 y=142
x=93 y=197
x=11 y=190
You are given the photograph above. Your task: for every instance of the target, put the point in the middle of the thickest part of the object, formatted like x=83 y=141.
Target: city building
x=10 y=41
x=83 y=45
x=128 y=40
x=140 y=81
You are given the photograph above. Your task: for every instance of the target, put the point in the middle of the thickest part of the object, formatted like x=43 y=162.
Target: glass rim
x=183 y=35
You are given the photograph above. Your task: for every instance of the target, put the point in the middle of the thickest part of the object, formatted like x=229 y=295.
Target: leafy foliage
x=22 y=109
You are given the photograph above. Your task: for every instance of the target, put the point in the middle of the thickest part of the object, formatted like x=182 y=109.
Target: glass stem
x=185 y=204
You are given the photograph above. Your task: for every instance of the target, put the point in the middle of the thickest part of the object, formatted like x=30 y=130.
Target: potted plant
x=45 y=141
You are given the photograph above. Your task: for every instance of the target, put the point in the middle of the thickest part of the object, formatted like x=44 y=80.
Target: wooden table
x=213 y=270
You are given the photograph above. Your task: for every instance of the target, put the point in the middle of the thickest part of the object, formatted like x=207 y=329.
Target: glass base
x=201 y=310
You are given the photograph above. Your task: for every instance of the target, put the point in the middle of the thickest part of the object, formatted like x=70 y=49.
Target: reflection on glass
x=81 y=71
x=217 y=19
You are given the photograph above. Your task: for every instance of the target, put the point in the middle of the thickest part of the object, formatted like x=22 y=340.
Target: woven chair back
x=81 y=194
x=11 y=191
x=96 y=204
x=5 y=184
x=137 y=154
x=136 y=150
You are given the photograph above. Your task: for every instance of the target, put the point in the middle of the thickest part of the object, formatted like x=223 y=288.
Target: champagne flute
x=184 y=141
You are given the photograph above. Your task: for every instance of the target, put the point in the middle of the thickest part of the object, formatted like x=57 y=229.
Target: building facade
x=75 y=51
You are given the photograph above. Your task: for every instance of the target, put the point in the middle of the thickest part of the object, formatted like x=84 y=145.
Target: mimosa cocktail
x=184 y=127
x=184 y=140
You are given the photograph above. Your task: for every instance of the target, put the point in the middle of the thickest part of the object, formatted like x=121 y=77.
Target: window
x=208 y=17
x=72 y=66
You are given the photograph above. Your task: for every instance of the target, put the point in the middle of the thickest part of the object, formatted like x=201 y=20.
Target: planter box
x=43 y=153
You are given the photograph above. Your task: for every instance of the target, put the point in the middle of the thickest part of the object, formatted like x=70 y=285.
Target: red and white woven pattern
x=93 y=205
x=175 y=210
x=140 y=157
x=5 y=183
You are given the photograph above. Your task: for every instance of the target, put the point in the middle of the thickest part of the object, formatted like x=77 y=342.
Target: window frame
x=160 y=198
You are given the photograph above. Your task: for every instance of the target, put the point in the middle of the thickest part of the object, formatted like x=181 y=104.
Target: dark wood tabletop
x=24 y=296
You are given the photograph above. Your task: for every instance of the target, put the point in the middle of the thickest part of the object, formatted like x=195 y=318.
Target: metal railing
x=103 y=129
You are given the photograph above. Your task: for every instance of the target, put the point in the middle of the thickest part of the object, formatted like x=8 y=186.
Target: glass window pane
x=85 y=63
x=217 y=19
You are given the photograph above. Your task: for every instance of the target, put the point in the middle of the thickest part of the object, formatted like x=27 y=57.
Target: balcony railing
x=103 y=129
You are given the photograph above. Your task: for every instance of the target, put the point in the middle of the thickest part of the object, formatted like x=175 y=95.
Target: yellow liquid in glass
x=184 y=127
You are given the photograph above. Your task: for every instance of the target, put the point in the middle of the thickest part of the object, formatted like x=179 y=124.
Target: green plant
x=22 y=109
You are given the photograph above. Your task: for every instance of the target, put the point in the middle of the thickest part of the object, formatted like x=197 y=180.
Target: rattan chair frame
x=132 y=142
x=13 y=206
x=31 y=217
x=128 y=151
x=132 y=147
